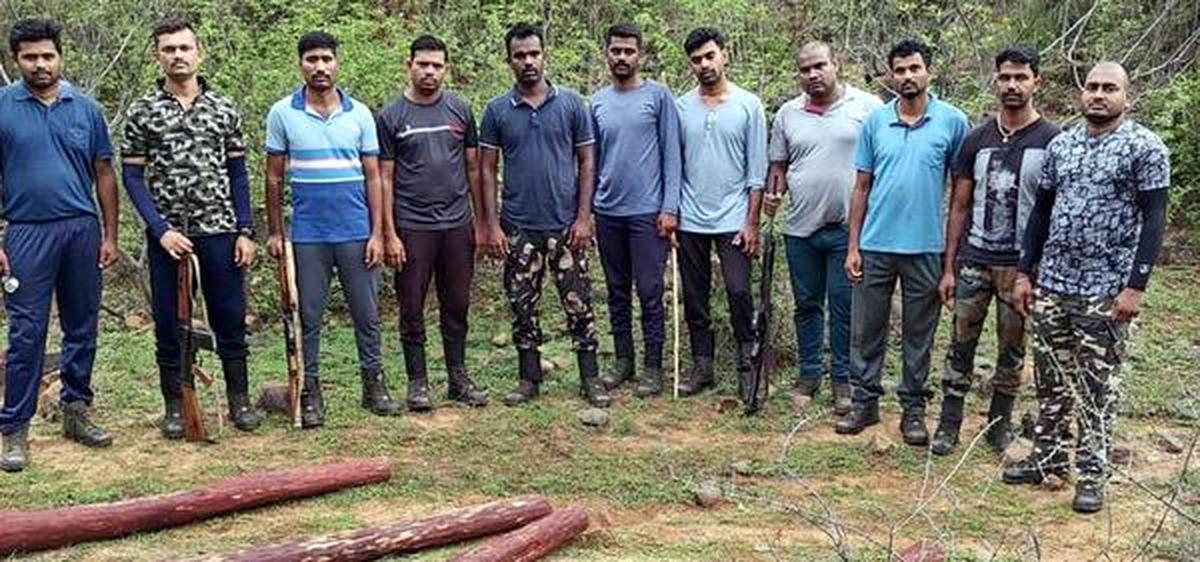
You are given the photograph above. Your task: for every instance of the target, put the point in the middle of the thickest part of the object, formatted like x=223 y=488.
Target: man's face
x=910 y=76
x=40 y=63
x=527 y=60
x=1105 y=95
x=707 y=63
x=1014 y=84
x=427 y=70
x=319 y=67
x=178 y=53
x=624 y=57
x=818 y=73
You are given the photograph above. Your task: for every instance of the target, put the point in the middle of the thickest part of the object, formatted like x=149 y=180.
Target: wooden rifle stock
x=285 y=271
x=193 y=420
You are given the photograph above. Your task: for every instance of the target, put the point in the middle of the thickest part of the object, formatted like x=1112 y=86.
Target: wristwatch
x=247 y=232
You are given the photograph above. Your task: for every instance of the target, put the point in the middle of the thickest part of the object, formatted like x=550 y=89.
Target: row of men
x=633 y=169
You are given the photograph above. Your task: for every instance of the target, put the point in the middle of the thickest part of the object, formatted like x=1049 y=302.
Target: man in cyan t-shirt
x=328 y=145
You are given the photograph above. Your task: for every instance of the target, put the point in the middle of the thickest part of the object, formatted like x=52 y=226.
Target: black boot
x=172 y=422
x=1089 y=496
x=622 y=368
x=417 y=399
x=312 y=404
x=1033 y=469
x=650 y=383
x=461 y=389
x=862 y=415
x=14 y=452
x=745 y=369
x=589 y=380
x=78 y=426
x=999 y=433
x=529 y=361
x=236 y=382
x=699 y=378
x=912 y=428
x=945 y=439
x=375 y=395
x=842 y=398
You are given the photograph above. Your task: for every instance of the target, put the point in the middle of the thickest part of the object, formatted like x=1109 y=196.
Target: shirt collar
x=930 y=112
x=298 y=101
x=162 y=90
x=65 y=91
x=516 y=99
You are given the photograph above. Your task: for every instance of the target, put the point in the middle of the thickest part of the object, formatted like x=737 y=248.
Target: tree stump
x=532 y=541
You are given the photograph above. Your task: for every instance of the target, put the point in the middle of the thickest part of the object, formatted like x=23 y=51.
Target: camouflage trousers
x=1078 y=349
x=973 y=292
x=530 y=254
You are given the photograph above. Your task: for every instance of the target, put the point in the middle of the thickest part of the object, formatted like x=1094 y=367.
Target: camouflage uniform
x=973 y=292
x=1078 y=349
x=530 y=253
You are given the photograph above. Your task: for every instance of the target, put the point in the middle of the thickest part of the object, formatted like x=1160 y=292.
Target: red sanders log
x=532 y=541
x=41 y=530
x=402 y=536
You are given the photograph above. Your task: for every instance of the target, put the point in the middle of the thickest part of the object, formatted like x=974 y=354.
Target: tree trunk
x=402 y=536
x=532 y=541
x=22 y=531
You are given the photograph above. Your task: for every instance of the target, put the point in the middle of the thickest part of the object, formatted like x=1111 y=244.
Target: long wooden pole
x=532 y=541
x=675 y=312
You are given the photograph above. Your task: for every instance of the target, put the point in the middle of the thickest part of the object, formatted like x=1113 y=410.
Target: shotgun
x=285 y=271
x=193 y=420
x=756 y=391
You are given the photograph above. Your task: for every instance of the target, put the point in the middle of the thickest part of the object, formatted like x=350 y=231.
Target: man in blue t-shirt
x=637 y=202
x=327 y=143
x=54 y=148
x=545 y=134
x=904 y=153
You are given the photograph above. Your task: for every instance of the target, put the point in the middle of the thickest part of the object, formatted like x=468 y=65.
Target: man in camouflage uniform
x=1091 y=241
x=545 y=133
x=997 y=172
x=184 y=167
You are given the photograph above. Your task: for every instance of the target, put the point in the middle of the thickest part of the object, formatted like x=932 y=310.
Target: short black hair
x=908 y=48
x=1020 y=55
x=428 y=43
x=31 y=30
x=624 y=31
x=170 y=24
x=701 y=35
x=521 y=31
x=316 y=40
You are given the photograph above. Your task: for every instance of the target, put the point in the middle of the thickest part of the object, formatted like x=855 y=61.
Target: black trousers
x=695 y=272
x=447 y=258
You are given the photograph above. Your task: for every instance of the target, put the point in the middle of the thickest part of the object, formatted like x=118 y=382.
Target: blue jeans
x=816 y=266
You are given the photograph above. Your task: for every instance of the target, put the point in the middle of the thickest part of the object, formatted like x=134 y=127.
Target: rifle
x=285 y=271
x=756 y=392
x=193 y=420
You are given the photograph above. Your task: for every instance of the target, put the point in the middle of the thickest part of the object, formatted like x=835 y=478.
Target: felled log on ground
x=532 y=541
x=22 y=531
x=402 y=536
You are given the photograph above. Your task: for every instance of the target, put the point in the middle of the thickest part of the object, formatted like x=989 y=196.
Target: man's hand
x=480 y=229
x=374 y=253
x=243 y=252
x=946 y=288
x=108 y=252
x=175 y=244
x=1127 y=305
x=854 y=266
x=1022 y=294
x=581 y=234
x=667 y=225
x=771 y=202
x=275 y=245
x=747 y=239
x=3 y=263
x=393 y=251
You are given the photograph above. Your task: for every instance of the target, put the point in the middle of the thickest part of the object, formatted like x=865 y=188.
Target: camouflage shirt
x=185 y=152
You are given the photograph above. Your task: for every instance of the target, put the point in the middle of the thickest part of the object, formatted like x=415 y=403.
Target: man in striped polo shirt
x=326 y=142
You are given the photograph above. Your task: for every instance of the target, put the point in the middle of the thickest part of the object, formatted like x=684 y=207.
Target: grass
x=634 y=475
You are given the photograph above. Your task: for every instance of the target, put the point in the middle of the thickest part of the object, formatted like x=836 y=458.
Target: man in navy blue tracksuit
x=54 y=148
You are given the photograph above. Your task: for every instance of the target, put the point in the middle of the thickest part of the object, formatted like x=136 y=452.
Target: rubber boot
x=999 y=432
x=529 y=363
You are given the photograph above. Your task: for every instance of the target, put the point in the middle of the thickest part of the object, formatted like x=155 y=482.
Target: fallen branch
x=532 y=541
x=43 y=530
x=403 y=536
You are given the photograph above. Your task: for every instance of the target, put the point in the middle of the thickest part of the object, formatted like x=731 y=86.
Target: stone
x=880 y=445
x=1123 y=456
x=1168 y=443
x=502 y=339
x=923 y=551
x=1053 y=483
x=547 y=365
x=729 y=404
x=742 y=468
x=135 y=321
x=593 y=417
x=801 y=401
x=561 y=362
x=707 y=494
x=1014 y=454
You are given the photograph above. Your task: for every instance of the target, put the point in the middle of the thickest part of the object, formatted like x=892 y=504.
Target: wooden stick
x=403 y=536
x=675 y=311
x=532 y=541
x=23 y=531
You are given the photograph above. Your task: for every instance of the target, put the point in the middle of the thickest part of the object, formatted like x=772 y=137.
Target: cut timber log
x=402 y=536
x=23 y=531
x=532 y=541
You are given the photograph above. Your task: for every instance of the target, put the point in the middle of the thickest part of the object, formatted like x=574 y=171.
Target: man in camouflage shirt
x=184 y=166
x=1090 y=244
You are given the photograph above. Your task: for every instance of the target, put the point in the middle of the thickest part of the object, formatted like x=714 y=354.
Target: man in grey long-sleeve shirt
x=637 y=202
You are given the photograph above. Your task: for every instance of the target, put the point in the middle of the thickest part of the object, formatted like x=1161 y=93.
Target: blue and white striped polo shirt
x=324 y=167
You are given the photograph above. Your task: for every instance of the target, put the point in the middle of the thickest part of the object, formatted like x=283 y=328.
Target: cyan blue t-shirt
x=324 y=166
x=908 y=165
x=638 y=159
x=48 y=153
